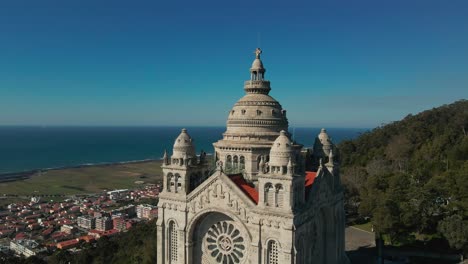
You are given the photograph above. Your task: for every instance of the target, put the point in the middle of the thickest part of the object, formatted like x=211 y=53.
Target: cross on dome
x=258 y=51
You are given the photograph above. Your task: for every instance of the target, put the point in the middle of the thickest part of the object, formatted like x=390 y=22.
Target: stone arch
x=279 y=195
x=272 y=251
x=216 y=235
x=235 y=163
x=169 y=179
x=228 y=165
x=172 y=241
x=241 y=163
x=269 y=194
x=177 y=182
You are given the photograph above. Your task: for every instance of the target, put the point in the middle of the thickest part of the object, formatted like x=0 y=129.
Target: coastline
x=24 y=175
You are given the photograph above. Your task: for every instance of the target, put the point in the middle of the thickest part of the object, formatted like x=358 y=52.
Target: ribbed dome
x=281 y=151
x=255 y=113
x=323 y=144
x=257 y=64
x=183 y=146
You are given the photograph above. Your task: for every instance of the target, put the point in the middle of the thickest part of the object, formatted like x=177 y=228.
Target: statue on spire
x=258 y=51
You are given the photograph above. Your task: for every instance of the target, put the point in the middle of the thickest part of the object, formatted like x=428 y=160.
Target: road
x=360 y=246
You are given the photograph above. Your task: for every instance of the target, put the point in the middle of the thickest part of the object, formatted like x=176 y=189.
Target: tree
x=455 y=230
x=398 y=150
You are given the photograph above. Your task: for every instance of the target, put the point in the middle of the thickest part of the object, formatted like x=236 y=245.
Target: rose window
x=225 y=243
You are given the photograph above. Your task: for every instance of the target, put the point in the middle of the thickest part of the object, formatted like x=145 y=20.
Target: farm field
x=83 y=180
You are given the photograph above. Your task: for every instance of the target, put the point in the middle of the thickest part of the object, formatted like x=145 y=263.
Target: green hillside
x=411 y=177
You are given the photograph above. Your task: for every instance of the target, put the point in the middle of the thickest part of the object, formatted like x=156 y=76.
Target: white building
x=86 y=222
x=144 y=211
x=103 y=223
x=25 y=247
x=266 y=202
x=118 y=194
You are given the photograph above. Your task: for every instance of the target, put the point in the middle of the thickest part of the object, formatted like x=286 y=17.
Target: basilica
x=261 y=198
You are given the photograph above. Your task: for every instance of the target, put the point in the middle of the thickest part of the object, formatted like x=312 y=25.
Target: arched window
x=279 y=195
x=172 y=243
x=241 y=163
x=176 y=182
x=272 y=253
x=235 y=163
x=269 y=194
x=228 y=163
x=259 y=160
x=168 y=181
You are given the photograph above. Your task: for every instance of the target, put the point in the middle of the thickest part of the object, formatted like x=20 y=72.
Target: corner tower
x=184 y=170
x=253 y=124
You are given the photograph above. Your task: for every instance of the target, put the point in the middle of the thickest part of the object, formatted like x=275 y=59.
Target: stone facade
x=267 y=201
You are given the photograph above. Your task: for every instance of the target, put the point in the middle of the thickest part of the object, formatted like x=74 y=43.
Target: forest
x=410 y=178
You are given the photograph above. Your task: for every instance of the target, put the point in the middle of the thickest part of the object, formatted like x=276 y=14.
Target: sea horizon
x=29 y=148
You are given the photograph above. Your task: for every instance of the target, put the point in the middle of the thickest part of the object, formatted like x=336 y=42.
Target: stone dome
x=256 y=116
x=257 y=64
x=323 y=144
x=183 y=146
x=323 y=137
x=257 y=113
x=281 y=151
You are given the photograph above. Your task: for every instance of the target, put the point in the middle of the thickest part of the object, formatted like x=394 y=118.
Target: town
x=41 y=227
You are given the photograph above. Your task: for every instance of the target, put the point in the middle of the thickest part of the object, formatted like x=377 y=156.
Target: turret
x=165 y=158
x=183 y=172
x=322 y=148
x=281 y=154
x=281 y=187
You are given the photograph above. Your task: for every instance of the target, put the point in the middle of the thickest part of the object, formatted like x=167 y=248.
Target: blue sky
x=331 y=63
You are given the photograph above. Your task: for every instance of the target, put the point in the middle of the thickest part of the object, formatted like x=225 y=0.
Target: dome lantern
x=257 y=82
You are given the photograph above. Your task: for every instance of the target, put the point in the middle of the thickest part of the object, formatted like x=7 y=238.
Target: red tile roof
x=68 y=244
x=47 y=231
x=252 y=193
x=87 y=238
x=245 y=187
x=309 y=178
x=20 y=236
x=309 y=181
x=110 y=232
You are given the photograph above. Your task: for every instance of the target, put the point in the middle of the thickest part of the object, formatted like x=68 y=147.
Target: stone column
x=160 y=244
x=188 y=251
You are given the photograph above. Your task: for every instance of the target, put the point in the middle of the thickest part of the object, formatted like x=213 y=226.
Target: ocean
x=30 y=148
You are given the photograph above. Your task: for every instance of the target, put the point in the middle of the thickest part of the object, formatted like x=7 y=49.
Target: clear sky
x=331 y=63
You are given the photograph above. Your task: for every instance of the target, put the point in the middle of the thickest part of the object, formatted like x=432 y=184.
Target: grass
x=366 y=226
x=85 y=180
